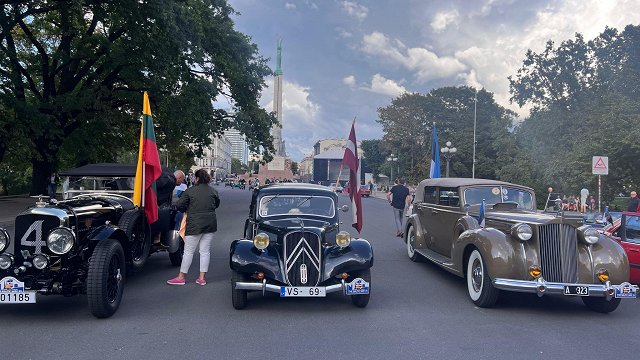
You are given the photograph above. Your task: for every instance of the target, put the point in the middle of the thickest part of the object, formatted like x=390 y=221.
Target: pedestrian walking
x=199 y=202
x=584 y=195
x=399 y=197
x=592 y=200
x=52 y=185
x=634 y=202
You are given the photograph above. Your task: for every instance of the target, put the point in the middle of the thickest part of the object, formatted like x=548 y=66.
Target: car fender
x=498 y=250
x=110 y=232
x=414 y=220
x=605 y=254
x=351 y=259
x=246 y=258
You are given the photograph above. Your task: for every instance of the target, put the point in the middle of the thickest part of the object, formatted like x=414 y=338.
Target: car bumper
x=543 y=287
x=264 y=287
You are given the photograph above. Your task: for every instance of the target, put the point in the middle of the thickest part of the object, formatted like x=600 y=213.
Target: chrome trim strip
x=595 y=290
x=254 y=286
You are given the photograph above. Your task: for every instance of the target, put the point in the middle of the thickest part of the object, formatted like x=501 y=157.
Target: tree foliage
x=73 y=72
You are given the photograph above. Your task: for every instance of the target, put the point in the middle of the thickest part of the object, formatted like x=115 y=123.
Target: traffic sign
x=600 y=165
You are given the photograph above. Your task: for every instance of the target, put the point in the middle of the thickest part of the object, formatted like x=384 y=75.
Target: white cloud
x=443 y=19
x=290 y=6
x=314 y=6
x=349 y=80
x=382 y=85
x=355 y=10
x=344 y=33
x=425 y=64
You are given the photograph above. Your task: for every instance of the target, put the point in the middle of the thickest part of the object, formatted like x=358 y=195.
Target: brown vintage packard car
x=518 y=249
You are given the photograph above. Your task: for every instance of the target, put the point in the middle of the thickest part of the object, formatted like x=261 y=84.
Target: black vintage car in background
x=83 y=245
x=293 y=246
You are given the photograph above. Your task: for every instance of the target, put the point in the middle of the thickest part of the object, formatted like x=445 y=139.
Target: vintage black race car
x=293 y=246
x=82 y=245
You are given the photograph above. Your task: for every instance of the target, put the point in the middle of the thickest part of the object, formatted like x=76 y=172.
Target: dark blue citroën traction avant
x=293 y=246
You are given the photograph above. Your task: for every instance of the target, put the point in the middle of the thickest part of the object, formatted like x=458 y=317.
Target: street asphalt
x=417 y=311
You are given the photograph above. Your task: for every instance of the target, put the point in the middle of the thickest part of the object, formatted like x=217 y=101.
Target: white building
x=216 y=158
x=239 y=148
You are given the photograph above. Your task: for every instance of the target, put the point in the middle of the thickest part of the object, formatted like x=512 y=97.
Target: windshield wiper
x=268 y=201
x=304 y=201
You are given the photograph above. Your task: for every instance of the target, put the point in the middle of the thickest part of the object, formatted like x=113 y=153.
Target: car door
x=447 y=213
x=629 y=235
x=425 y=208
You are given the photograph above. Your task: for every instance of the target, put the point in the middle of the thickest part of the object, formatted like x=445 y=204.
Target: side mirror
x=344 y=208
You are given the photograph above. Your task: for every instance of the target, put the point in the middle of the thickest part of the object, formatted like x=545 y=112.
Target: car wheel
x=362 y=300
x=601 y=305
x=133 y=224
x=176 y=257
x=411 y=244
x=238 y=297
x=479 y=285
x=105 y=279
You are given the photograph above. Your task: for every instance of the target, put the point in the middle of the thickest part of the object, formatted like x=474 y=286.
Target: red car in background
x=626 y=231
x=364 y=190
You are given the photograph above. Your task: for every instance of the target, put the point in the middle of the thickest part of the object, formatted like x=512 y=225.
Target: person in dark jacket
x=199 y=202
x=634 y=202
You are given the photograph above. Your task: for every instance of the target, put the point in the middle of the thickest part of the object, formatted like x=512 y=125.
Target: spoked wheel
x=105 y=280
x=362 y=300
x=238 y=297
x=411 y=245
x=133 y=224
x=176 y=257
x=479 y=285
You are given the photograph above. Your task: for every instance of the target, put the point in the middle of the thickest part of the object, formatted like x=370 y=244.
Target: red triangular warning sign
x=600 y=164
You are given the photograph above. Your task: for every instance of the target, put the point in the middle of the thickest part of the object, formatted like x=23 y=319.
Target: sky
x=345 y=59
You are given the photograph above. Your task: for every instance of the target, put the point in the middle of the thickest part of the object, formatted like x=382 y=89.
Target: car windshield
x=499 y=194
x=632 y=229
x=274 y=205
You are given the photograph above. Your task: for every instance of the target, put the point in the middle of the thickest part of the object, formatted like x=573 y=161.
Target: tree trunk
x=40 y=176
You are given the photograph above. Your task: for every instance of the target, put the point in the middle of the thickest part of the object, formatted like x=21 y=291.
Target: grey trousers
x=398 y=214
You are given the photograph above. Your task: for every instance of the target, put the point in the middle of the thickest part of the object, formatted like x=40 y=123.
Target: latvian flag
x=350 y=160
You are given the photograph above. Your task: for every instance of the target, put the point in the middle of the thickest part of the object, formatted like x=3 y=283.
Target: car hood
x=527 y=217
x=291 y=224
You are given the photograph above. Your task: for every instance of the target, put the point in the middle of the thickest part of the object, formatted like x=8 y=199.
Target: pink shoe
x=176 y=281
x=201 y=282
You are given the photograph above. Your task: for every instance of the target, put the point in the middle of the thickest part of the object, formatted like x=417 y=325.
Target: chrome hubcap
x=476 y=278
x=410 y=243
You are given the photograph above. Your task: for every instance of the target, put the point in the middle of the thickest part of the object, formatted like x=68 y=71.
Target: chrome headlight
x=6 y=260
x=61 y=240
x=261 y=241
x=4 y=239
x=40 y=261
x=343 y=239
x=521 y=231
x=588 y=234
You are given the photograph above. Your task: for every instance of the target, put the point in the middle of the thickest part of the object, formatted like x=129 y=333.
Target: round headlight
x=40 y=261
x=343 y=239
x=5 y=261
x=4 y=239
x=60 y=241
x=522 y=231
x=591 y=235
x=261 y=241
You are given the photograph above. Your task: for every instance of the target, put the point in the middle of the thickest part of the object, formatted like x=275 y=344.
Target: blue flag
x=434 y=171
x=481 y=219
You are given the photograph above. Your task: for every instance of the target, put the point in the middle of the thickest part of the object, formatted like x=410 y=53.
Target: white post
x=473 y=166
x=599 y=190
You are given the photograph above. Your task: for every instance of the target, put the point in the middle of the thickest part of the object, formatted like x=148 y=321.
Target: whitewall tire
x=479 y=286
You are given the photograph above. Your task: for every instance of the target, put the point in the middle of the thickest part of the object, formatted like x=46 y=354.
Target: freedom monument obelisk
x=280 y=166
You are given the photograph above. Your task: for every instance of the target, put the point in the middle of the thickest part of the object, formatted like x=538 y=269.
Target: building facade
x=239 y=147
x=216 y=158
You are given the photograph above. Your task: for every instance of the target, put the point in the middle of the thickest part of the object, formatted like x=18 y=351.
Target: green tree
x=237 y=167
x=408 y=129
x=374 y=155
x=73 y=71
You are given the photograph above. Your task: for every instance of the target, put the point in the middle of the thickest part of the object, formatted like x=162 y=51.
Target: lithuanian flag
x=149 y=169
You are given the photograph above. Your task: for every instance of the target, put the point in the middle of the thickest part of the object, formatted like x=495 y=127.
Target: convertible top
x=105 y=170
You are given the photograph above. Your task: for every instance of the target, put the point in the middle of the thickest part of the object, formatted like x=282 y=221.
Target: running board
x=439 y=259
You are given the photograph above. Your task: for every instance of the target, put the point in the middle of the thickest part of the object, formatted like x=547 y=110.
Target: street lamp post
x=448 y=153
x=392 y=159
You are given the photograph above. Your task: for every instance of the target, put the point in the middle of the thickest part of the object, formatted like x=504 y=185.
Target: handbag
x=183 y=226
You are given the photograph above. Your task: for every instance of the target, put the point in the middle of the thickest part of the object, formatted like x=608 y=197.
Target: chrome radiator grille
x=559 y=252
x=302 y=254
